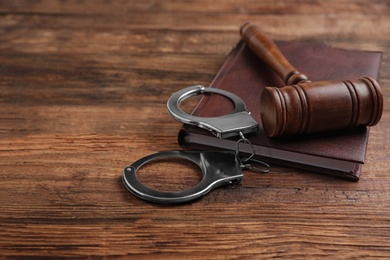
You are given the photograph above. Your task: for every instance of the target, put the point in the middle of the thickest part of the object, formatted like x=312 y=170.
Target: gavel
x=303 y=106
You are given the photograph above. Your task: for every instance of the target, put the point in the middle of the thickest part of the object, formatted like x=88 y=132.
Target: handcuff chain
x=244 y=162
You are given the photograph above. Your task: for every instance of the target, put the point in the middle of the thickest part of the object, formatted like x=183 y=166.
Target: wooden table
x=83 y=88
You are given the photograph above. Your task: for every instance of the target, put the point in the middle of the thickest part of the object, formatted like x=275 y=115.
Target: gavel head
x=312 y=107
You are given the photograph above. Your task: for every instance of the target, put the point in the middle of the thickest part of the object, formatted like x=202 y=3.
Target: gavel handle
x=266 y=50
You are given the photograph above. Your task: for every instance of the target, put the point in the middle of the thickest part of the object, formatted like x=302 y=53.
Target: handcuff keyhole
x=169 y=174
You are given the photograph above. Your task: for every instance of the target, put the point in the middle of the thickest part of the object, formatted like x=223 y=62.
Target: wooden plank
x=198 y=6
x=83 y=88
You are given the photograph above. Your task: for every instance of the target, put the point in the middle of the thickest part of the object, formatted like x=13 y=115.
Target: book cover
x=337 y=153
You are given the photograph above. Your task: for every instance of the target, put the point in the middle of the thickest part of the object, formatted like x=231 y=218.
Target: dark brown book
x=337 y=153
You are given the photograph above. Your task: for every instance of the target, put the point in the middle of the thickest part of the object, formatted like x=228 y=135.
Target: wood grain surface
x=83 y=91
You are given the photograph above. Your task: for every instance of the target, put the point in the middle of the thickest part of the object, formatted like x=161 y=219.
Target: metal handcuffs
x=218 y=167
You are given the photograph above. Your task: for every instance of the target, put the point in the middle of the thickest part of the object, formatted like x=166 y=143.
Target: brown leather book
x=337 y=153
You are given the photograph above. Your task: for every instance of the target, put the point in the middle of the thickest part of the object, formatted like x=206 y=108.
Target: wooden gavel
x=310 y=107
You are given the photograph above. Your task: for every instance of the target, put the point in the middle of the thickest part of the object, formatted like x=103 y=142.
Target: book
x=339 y=153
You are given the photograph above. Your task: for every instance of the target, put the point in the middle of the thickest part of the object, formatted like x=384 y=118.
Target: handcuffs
x=218 y=167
